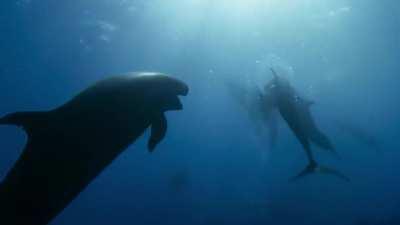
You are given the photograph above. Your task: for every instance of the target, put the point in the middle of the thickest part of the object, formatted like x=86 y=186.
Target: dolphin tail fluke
x=311 y=168
x=334 y=172
x=315 y=168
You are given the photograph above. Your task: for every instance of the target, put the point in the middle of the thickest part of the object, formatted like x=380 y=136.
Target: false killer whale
x=70 y=145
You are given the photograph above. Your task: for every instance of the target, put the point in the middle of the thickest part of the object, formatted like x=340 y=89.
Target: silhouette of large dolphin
x=69 y=146
x=295 y=111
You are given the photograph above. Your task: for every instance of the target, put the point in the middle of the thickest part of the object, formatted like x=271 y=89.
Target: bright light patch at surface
x=238 y=31
x=243 y=9
x=244 y=5
x=144 y=73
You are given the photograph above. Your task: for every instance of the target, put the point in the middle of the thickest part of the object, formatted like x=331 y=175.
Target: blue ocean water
x=213 y=167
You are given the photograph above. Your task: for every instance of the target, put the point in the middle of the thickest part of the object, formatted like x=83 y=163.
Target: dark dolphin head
x=163 y=90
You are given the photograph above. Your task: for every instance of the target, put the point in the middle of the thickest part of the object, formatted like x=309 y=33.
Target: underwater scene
x=200 y=112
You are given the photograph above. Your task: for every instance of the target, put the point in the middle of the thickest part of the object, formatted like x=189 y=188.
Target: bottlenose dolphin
x=295 y=111
x=69 y=146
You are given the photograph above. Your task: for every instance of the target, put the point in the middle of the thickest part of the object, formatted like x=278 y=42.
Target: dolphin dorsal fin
x=274 y=73
x=27 y=120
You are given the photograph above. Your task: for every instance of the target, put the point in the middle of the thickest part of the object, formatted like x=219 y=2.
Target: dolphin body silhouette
x=296 y=112
x=69 y=146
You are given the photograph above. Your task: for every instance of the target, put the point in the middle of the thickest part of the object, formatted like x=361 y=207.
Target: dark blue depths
x=213 y=167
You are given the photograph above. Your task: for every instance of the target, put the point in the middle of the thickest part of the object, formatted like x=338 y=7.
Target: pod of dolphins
x=69 y=146
x=279 y=98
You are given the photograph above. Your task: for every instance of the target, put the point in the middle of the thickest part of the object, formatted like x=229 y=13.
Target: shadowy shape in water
x=261 y=113
x=295 y=111
x=69 y=146
x=358 y=133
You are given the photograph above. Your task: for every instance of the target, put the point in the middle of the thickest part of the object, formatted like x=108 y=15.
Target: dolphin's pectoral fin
x=158 y=130
x=26 y=120
x=314 y=168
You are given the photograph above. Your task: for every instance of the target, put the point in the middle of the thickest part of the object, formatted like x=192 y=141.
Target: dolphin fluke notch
x=313 y=167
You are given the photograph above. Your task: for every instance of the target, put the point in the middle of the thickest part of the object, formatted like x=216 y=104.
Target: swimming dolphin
x=69 y=146
x=295 y=111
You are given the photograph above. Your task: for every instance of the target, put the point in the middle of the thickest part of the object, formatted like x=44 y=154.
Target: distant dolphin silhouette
x=358 y=133
x=253 y=101
x=69 y=146
x=295 y=111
